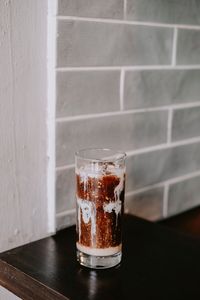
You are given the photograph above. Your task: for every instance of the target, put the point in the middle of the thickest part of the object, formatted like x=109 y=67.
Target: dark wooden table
x=158 y=263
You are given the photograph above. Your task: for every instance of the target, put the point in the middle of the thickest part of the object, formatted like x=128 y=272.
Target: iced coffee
x=100 y=184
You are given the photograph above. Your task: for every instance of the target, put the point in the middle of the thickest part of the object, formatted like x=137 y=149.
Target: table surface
x=158 y=263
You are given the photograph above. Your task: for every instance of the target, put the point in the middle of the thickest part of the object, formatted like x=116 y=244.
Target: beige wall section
x=23 y=132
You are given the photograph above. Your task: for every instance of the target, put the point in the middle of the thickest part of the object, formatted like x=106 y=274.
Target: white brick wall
x=138 y=69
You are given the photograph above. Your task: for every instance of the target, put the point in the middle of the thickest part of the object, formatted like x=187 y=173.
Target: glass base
x=98 y=262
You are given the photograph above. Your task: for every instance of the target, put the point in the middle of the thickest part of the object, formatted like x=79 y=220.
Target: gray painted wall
x=23 y=130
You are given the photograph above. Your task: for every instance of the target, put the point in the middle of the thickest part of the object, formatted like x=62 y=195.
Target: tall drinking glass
x=100 y=187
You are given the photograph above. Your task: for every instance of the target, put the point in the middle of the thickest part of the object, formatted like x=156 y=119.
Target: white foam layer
x=99 y=251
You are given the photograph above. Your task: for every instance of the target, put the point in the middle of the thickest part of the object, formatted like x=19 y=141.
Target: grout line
x=164 y=146
x=169 y=126
x=144 y=189
x=106 y=114
x=128 y=68
x=126 y=112
x=183 y=177
x=125 y=9
x=145 y=150
x=165 y=182
x=165 y=200
x=66 y=213
x=174 y=48
x=185 y=105
x=63 y=168
x=185 y=142
x=127 y=22
x=122 y=78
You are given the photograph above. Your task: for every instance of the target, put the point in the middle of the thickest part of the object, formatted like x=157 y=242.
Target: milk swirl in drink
x=100 y=181
x=100 y=205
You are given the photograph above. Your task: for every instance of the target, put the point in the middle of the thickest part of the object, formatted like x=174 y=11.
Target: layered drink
x=100 y=205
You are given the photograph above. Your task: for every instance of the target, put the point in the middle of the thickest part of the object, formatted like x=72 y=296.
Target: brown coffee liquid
x=100 y=202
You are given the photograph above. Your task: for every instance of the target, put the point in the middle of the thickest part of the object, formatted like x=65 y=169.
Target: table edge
x=24 y=286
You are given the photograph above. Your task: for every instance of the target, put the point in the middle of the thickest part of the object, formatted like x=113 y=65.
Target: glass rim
x=121 y=155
